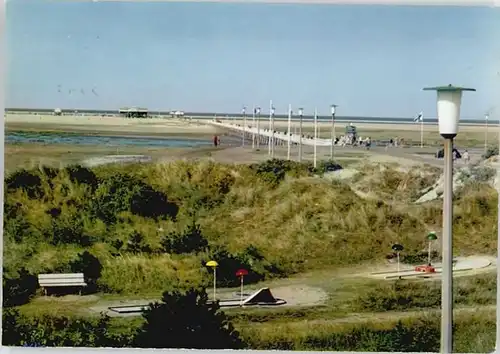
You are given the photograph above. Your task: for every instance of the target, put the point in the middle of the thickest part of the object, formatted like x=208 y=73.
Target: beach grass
x=279 y=219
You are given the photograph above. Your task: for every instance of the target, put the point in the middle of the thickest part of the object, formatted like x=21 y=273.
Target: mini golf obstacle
x=460 y=264
x=262 y=297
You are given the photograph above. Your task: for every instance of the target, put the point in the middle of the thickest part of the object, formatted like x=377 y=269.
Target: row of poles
x=271 y=141
x=448 y=108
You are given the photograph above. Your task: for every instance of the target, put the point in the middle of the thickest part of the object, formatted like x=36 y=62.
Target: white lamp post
x=257 y=111
x=486 y=117
x=449 y=99
x=253 y=126
x=289 y=132
x=315 y=135
x=272 y=132
x=332 y=148
x=301 y=114
x=243 y=111
x=270 y=127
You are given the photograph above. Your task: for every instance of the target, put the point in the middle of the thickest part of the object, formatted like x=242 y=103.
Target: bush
x=28 y=181
x=274 y=171
x=328 y=166
x=67 y=230
x=90 y=266
x=422 y=336
x=187 y=321
x=189 y=241
x=491 y=151
x=404 y=295
x=136 y=244
x=399 y=296
x=18 y=290
x=48 y=331
x=121 y=193
x=82 y=175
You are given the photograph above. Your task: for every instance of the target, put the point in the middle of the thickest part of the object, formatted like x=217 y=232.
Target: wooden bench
x=61 y=280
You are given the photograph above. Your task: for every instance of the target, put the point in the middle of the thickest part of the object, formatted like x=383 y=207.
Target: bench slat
x=60 y=280
x=60 y=276
x=63 y=284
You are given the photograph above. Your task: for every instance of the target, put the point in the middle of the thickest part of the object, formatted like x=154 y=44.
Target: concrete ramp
x=262 y=297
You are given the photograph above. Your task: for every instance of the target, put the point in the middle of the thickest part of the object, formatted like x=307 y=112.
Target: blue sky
x=370 y=60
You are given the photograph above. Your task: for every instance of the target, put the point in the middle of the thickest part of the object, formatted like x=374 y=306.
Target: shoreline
x=161 y=127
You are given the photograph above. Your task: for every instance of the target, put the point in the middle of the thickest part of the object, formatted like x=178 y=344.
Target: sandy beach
x=108 y=124
x=189 y=126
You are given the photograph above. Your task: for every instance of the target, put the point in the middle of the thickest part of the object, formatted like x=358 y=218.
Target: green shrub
x=399 y=296
x=274 y=171
x=90 y=266
x=121 y=193
x=491 y=151
x=189 y=241
x=28 y=181
x=187 y=320
x=19 y=288
x=47 y=331
x=403 y=295
x=136 y=244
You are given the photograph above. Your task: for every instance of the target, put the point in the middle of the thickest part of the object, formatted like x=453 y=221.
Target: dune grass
x=295 y=224
x=150 y=228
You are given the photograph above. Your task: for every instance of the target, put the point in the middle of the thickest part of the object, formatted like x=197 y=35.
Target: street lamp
x=270 y=127
x=289 y=130
x=332 y=151
x=315 y=135
x=257 y=112
x=301 y=114
x=254 y=111
x=243 y=111
x=272 y=141
x=449 y=99
x=486 y=117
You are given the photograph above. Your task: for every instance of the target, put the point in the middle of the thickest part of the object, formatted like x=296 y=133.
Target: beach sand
x=191 y=126
x=117 y=125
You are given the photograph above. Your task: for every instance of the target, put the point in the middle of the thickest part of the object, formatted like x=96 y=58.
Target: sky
x=217 y=57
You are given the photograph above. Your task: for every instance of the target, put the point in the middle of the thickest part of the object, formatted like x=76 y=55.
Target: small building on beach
x=134 y=112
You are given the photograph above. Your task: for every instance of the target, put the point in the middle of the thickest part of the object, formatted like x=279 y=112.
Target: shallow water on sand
x=76 y=139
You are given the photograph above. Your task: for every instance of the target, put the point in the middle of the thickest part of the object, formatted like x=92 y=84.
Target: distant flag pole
x=270 y=127
x=273 y=141
x=253 y=126
x=420 y=118
x=257 y=112
x=301 y=113
x=243 y=111
x=315 y=135
x=486 y=117
x=289 y=132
